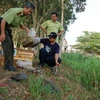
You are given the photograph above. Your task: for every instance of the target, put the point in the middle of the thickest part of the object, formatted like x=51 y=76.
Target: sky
x=86 y=21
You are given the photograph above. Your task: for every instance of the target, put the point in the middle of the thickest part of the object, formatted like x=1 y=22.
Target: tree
x=79 y=5
x=89 y=42
x=44 y=9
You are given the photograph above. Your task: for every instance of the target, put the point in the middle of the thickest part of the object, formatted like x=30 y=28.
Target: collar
x=53 y=22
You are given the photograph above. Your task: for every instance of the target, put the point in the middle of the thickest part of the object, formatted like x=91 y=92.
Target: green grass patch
x=89 y=68
x=3 y=90
x=40 y=90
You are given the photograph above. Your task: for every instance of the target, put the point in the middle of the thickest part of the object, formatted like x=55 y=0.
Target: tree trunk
x=62 y=16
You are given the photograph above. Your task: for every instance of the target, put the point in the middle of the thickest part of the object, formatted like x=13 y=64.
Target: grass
x=3 y=90
x=78 y=79
x=89 y=68
x=41 y=91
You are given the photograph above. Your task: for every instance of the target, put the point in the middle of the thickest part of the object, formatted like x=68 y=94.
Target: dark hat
x=52 y=35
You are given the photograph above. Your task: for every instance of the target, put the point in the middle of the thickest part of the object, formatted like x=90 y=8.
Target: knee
x=59 y=60
x=43 y=50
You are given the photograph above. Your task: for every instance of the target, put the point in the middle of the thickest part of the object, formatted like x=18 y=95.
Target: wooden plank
x=23 y=58
x=23 y=55
x=23 y=50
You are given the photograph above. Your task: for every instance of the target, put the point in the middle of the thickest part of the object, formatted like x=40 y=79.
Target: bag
x=28 y=41
x=36 y=41
x=32 y=33
x=32 y=43
x=25 y=63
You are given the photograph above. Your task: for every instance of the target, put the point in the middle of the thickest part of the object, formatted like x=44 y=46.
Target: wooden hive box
x=21 y=54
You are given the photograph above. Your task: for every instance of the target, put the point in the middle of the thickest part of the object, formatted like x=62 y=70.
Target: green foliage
x=45 y=7
x=71 y=97
x=89 y=68
x=43 y=10
x=79 y=5
x=89 y=42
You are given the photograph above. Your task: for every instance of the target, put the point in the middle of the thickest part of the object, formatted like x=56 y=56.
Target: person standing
x=52 y=25
x=14 y=17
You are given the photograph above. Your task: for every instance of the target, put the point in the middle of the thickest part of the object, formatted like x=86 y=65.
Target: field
x=78 y=79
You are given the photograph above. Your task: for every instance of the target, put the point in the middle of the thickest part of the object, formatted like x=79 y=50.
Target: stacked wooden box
x=21 y=54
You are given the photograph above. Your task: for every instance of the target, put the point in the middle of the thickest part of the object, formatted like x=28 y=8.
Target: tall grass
x=89 y=68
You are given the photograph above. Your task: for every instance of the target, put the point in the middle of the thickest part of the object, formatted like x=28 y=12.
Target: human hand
x=27 y=30
x=2 y=37
x=57 y=63
x=58 y=34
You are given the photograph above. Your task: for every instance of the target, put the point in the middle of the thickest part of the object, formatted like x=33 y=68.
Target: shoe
x=10 y=68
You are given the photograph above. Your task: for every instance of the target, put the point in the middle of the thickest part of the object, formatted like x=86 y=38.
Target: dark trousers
x=44 y=57
x=8 y=47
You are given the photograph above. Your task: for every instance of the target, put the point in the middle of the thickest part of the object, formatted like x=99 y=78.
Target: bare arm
x=2 y=36
x=24 y=27
x=44 y=30
x=56 y=59
x=60 y=33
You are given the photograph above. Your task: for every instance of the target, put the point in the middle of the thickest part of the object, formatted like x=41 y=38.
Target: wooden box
x=21 y=54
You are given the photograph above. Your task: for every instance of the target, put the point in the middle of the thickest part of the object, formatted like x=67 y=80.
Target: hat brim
x=49 y=36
